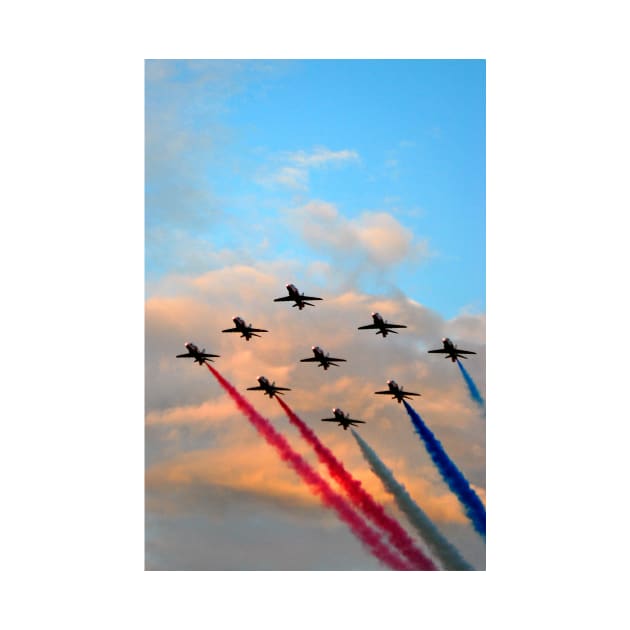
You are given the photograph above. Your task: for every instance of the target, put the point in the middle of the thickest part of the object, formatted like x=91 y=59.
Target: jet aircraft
x=270 y=389
x=325 y=360
x=297 y=297
x=199 y=356
x=343 y=419
x=397 y=391
x=451 y=350
x=246 y=331
x=381 y=326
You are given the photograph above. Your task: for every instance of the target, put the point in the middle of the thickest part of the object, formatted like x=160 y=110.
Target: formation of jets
x=451 y=350
x=246 y=330
x=270 y=389
x=382 y=327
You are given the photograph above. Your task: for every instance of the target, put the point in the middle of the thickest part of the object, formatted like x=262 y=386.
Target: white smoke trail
x=447 y=555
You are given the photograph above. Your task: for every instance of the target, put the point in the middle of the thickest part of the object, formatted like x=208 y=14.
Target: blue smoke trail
x=472 y=388
x=458 y=484
x=444 y=551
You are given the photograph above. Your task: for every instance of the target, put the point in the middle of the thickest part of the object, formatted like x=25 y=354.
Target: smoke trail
x=446 y=553
x=398 y=537
x=472 y=504
x=317 y=484
x=472 y=388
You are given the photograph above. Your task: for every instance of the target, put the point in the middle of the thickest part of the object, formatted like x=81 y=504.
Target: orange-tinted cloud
x=376 y=238
x=181 y=394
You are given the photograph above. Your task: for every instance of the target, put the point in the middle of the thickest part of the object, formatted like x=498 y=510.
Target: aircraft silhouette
x=199 y=356
x=381 y=326
x=342 y=419
x=451 y=350
x=297 y=297
x=270 y=389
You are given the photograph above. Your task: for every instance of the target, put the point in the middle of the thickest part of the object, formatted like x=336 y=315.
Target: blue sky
x=406 y=138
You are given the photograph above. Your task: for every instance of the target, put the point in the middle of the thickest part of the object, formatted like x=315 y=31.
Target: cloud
x=252 y=469
x=320 y=156
x=295 y=166
x=241 y=466
x=370 y=245
x=291 y=176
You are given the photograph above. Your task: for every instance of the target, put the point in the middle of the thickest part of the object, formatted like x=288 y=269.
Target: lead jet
x=451 y=350
x=381 y=326
x=343 y=419
x=397 y=391
x=246 y=331
x=325 y=360
x=297 y=297
x=200 y=356
x=270 y=389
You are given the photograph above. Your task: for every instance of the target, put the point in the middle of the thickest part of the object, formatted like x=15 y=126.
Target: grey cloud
x=252 y=537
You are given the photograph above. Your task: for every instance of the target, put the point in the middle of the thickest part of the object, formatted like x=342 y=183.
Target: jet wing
x=308 y=297
x=231 y=330
x=310 y=359
x=282 y=389
x=183 y=356
x=465 y=351
x=385 y=392
x=356 y=421
x=286 y=298
x=411 y=394
x=257 y=330
x=203 y=354
x=395 y=326
x=331 y=359
x=256 y=389
x=368 y=327
x=441 y=351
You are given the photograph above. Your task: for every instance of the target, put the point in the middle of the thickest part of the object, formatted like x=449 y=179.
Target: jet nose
x=444 y=339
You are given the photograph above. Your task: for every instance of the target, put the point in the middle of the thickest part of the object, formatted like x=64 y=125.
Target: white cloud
x=291 y=176
x=321 y=155
x=294 y=172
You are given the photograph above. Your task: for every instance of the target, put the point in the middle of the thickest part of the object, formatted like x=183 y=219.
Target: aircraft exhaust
x=362 y=499
x=317 y=484
x=445 y=552
x=472 y=388
x=473 y=507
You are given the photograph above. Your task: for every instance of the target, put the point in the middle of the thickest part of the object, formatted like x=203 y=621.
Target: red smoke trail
x=398 y=537
x=316 y=483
